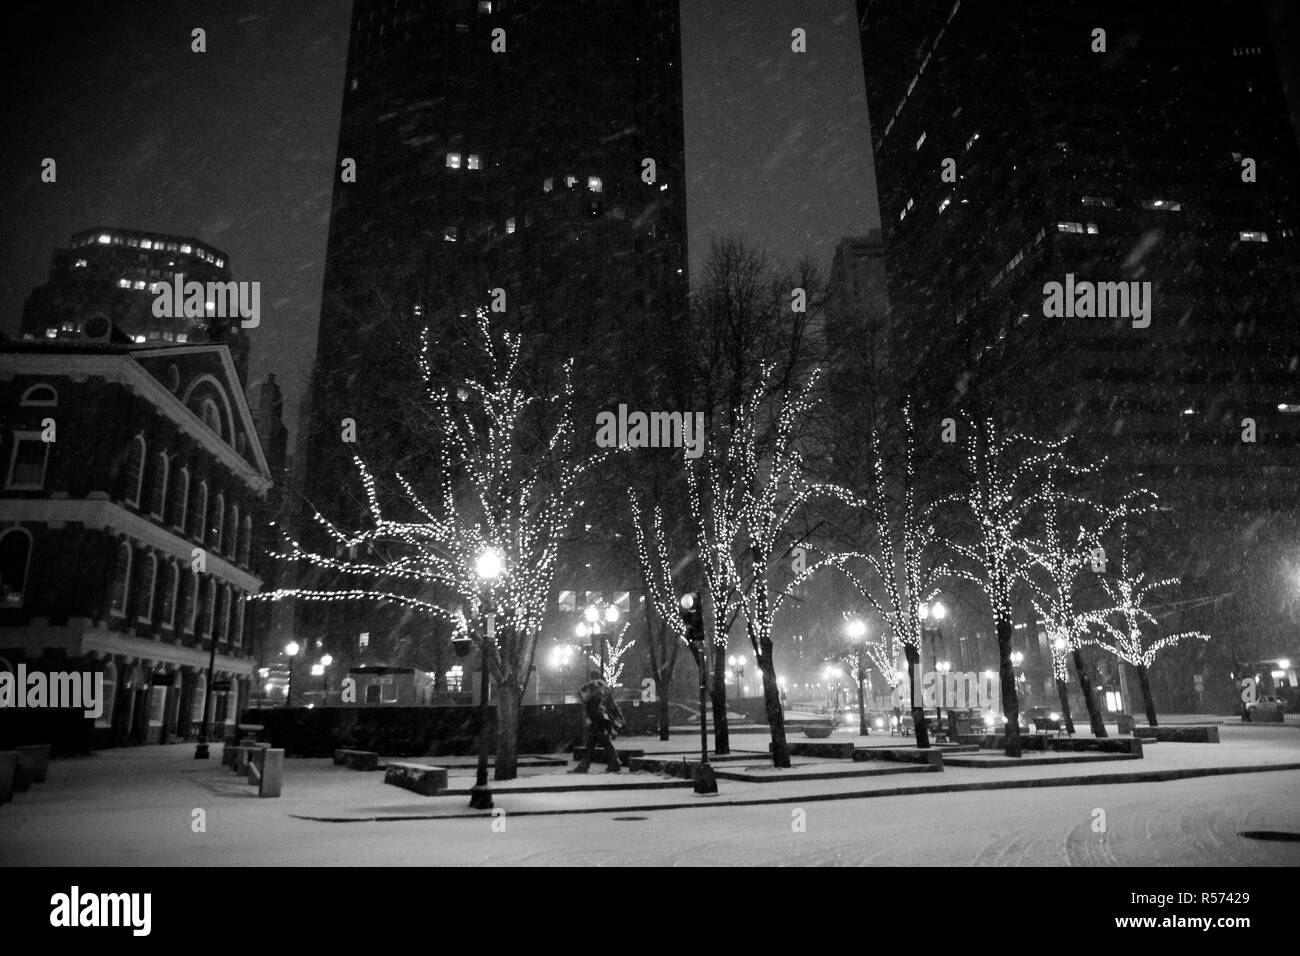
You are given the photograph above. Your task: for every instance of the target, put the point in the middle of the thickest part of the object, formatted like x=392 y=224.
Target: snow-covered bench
x=425 y=780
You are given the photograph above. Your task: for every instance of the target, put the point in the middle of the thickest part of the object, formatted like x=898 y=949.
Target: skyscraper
x=1145 y=147
x=530 y=147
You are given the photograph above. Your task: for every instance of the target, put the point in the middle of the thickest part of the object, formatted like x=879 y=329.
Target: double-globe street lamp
x=737 y=665
x=290 y=651
x=593 y=627
x=488 y=567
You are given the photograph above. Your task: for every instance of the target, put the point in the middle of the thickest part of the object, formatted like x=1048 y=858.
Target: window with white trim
x=146 y=583
x=199 y=514
x=218 y=523
x=190 y=606
x=133 y=476
x=171 y=580
x=121 y=580
x=161 y=470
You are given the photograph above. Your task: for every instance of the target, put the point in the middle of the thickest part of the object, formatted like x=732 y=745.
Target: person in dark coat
x=604 y=722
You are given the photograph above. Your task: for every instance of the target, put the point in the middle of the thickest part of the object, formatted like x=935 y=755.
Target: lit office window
x=80 y=264
x=510 y=225
x=1092 y=229
x=124 y=283
x=186 y=248
x=1069 y=227
x=146 y=243
x=1253 y=236
x=450 y=233
x=548 y=184
x=1164 y=205
x=220 y=263
x=570 y=181
x=474 y=162
x=484 y=6
x=453 y=160
x=594 y=184
x=138 y=284
x=105 y=238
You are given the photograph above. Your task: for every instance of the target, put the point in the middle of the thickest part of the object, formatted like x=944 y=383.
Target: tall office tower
x=114 y=273
x=530 y=147
x=1019 y=144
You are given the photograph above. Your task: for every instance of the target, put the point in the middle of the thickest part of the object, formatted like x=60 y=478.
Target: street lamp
x=488 y=567
x=737 y=665
x=290 y=651
x=935 y=612
x=594 y=627
x=941 y=698
x=857 y=629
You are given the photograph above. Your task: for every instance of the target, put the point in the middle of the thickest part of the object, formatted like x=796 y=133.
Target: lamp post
x=941 y=669
x=737 y=665
x=290 y=651
x=857 y=629
x=927 y=612
x=488 y=567
x=201 y=749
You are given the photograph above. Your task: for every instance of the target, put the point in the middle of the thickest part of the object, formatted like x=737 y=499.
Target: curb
x=1141 y=776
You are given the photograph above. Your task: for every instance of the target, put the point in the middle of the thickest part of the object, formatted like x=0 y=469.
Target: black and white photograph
x=652 y=433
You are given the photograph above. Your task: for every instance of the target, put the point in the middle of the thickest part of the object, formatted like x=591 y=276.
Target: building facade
x=515 y=155
x=133 y=480
x=1142 y=151
x=115 y=273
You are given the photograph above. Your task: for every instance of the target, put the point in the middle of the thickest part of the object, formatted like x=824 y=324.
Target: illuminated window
x=1103 y=201
x=1164 y=205
x=220 y=263
x=1289 y=409
x=510 y=225
x=570 y=181
x=594 y=184
x=146 y=243
x=920 y=141
x=568 y=601
x=1253 y=236
x=484 y=6
x=105 y=239
x=124 y=283
x=474 y=162
x=449 y=234
x=946 y=202
x=80 y=264
x=186 y=248
x=548 y=184
x=1069 y=227
x=453 y=160
x=971 y=142
x=138 y=284
x=1092 y=229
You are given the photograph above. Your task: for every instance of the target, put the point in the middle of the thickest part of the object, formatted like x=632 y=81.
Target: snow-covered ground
x=136 y=807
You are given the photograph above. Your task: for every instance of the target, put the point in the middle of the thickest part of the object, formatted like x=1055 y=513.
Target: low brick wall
x=1208 y=734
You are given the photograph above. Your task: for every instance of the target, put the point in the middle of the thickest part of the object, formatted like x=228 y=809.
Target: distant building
x=113 y=272
x=132 y=481
x=378 y=685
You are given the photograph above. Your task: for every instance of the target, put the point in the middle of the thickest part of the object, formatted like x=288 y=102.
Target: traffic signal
x=693 y=616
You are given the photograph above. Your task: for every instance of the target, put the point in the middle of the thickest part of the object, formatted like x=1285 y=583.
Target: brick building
x=132 y=481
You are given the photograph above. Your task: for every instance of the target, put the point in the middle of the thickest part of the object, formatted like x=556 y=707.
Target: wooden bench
x=36 y=759
x=424 y=780
x=266 y=770
x=357 y=759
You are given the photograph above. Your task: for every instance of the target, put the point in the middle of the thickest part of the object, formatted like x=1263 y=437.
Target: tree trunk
x=919 y=726
x=718 y=694
x=509 y=701
x=1089 y=698
x=1065 y=706
x=662 y=705
x=1147 y=699
x=772 y=704
x=1010 y=701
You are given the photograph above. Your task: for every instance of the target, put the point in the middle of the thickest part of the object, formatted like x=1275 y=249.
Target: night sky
x=236 y=146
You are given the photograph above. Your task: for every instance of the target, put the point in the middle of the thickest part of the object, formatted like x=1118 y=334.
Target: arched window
x=134 y=475
x=190 y=605
x=40 y=396
x=15 y=557
x=180 y=499
x=232 y=529
x=222 y=630
x=160 y=475
x=218 y=523
x=121 y=579
x=245 y=540
x=237 y=638
x=110 y=695
x=146 y=583
x=199 y=512
x=206 y=615
x=200 y=694
x=171 y=579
